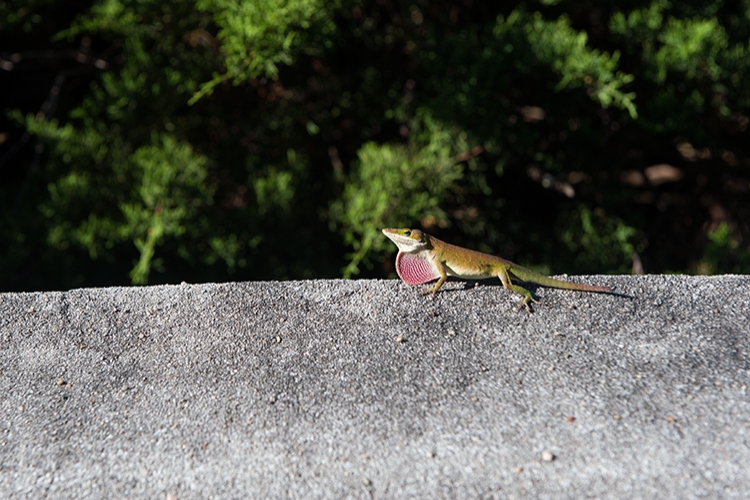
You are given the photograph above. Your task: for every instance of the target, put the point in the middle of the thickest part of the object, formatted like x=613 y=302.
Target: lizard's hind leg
x=527 y=297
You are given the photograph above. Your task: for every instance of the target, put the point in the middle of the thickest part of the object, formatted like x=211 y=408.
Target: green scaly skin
x=451 y=260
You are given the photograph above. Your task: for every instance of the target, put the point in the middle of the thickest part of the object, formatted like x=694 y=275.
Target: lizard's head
x=408 y=240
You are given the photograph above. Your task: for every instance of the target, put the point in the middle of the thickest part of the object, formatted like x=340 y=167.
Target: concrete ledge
x=367 y=389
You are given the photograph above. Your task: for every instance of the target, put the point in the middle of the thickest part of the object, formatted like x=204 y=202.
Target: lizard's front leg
x=443 y=276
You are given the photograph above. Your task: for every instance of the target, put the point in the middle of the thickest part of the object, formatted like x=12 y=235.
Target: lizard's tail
x=528 y=275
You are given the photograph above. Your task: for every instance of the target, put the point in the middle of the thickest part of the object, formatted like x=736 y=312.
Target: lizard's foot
x=433 y=290
x=526 y=303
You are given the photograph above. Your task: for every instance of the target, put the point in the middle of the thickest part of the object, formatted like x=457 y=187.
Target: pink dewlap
x=415 y=270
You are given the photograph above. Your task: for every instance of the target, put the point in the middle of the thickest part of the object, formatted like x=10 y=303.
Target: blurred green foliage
x=151 y=142
x=392 y=183
x=257 y=37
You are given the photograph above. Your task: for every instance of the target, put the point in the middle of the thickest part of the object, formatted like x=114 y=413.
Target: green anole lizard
x=423 y=258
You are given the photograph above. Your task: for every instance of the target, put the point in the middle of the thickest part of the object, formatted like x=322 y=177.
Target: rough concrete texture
x=360 y=389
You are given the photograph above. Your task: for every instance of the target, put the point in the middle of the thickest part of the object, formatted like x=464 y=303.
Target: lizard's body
x=423 y=258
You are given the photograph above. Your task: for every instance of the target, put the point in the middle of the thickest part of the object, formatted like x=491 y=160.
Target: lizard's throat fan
x=415 y=270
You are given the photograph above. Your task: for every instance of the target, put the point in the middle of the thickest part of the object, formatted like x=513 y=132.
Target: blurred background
x=156 y=141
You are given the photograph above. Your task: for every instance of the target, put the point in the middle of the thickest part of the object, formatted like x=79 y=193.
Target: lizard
x=423 y=258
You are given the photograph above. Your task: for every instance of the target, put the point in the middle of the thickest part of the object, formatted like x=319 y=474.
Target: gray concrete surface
x=365 y=389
